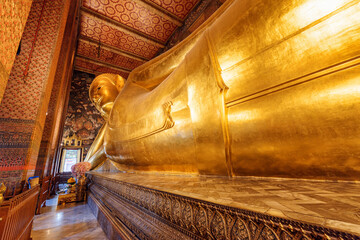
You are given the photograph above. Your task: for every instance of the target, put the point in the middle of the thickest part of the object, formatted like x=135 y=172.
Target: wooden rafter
x=87 y=70
x=113 y=49
x=103 y=64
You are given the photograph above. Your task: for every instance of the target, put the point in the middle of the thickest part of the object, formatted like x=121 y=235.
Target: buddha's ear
x=119 y=82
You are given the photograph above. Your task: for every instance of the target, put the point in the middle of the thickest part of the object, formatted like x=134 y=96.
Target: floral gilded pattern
x=13 y=15
x=101 y=31
x=180 y=8
x=135 y=16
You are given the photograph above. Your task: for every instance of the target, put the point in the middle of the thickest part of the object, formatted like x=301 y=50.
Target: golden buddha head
x=104 y=90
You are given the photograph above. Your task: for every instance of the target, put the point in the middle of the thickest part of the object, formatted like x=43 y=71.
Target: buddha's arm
x=97 y=158
x=96 y=148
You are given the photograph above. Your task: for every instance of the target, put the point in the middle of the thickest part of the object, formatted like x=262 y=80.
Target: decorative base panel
x=121 y=219
x=130 y=211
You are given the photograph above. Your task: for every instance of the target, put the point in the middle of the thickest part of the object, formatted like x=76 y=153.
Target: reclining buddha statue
x=262 y=88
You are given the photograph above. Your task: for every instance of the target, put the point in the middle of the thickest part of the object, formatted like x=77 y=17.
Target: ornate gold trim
x=353 y=62
x=200 y=219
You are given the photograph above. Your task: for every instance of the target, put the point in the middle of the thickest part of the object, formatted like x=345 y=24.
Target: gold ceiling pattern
x=117 y=36
x=180 y=8
x=135 y=16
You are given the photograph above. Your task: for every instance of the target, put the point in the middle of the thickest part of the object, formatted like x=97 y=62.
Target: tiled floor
x=74 y=221
x=329 y=203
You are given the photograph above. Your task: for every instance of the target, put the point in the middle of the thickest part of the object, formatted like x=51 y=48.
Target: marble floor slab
x=74 y=221
x=334 y=204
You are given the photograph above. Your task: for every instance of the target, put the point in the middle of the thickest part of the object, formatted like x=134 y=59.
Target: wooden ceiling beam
x=87 y=70
x=113 y=49
x=103 y=64
x=123 y=27
x=153 y=7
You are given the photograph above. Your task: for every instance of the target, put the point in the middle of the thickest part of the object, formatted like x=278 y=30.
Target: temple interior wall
x=13 y=16
x=24 y=106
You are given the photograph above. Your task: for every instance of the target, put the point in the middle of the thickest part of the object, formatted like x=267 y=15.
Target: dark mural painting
x=82 y=118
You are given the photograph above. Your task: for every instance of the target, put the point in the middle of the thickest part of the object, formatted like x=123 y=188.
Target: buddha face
x=103 y=94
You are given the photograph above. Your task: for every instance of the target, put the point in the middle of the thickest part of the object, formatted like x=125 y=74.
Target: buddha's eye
x=98 y=88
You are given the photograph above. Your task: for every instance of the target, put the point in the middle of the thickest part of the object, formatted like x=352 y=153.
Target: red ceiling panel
x=100 y=30
x=180 y=8
x=135 y=27
x=138 y=17
x=92 y=51
x=97 y=68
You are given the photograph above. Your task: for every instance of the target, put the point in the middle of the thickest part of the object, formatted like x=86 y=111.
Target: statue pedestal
x=154 y=206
